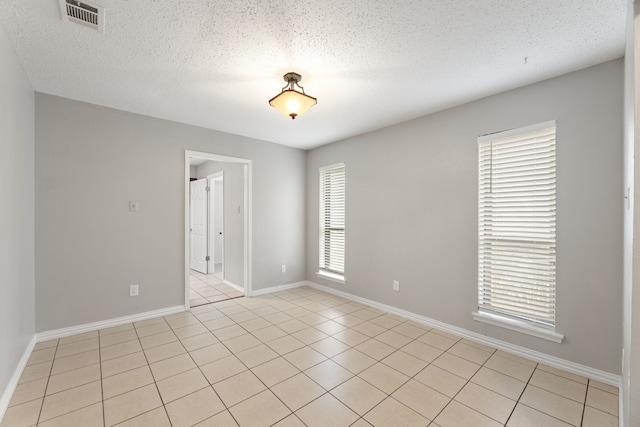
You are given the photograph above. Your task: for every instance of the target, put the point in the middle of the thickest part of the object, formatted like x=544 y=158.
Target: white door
x=199 y=225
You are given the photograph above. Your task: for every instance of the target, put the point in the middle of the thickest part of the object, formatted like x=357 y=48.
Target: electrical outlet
x=284 y=268
x=396 y=285
x=133 y=290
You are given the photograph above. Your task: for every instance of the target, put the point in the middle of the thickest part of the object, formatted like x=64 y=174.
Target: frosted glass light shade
x=292 y=103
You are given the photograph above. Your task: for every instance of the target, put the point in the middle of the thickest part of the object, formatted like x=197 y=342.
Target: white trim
x=7 y=394
x=94 y=326
x=334 y=277
x=279 y=288
x=516 y=131
x=536 y=356
x=248 y=217
x=333 y=166
x=233 y=285
x=517 y=325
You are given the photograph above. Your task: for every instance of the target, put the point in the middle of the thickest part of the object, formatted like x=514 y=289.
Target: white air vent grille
x=83 y=13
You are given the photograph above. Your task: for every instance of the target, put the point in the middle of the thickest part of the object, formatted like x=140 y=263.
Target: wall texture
x=233 y=204
x=412 y=210
x=17 y=283
x=91 y=161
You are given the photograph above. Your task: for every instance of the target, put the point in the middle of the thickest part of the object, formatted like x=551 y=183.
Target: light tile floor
x=208 y=288
x=294 y=358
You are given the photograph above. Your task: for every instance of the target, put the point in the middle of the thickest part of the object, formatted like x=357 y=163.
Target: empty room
x=369 y=213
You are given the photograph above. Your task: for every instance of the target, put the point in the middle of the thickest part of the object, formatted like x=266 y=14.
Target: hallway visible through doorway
x=208 y=288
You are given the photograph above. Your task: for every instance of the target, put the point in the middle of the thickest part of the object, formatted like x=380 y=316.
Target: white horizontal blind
x=332 y=219
x=517 y=225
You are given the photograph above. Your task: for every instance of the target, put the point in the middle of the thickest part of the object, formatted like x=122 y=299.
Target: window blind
x=517 y=225
x=332 y=219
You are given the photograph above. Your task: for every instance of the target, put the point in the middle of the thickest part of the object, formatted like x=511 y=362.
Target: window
x=517 y=227
x=332 y=221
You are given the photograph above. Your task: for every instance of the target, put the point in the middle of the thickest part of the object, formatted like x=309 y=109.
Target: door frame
x=247 y=220
x=211 y=264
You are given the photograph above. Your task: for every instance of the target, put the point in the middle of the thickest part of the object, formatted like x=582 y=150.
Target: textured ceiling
x=370 y=63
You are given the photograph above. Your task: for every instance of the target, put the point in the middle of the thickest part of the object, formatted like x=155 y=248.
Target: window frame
x=487 y=235
x=334 y=275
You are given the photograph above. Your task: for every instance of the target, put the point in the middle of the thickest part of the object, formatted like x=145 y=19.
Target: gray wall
x=412 y=210
x=91 y=161
x=233 y=233
x=17 y=283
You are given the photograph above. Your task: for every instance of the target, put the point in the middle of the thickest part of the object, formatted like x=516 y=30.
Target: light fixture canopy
x=291 y=102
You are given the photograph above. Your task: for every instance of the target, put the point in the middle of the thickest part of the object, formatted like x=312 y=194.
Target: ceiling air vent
x=82 y=13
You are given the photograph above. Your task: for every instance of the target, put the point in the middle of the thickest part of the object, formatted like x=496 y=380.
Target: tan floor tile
x=222 y=369
x=369 y=329
x=391 y=413
x=327 y=411
x=552 y=404
x=164 y=351
x=500 y=383
x=240 y=387
x=293 y=325
x=23 y=415
x=438 y=341
x=199 y=341
x=422 y=351
x=386 y=321
x=358 y=395
x=184 y=319
x=385 y=378
x=76 y=347
x=375 y=349
x=194 y=408
x=330 y=327
x=604 y=387
x=309 y=335
x=46 y=344
x=290 y=421
x=76 y=361
x=71 y=400
x=478 y=345
x=29 y=391
x=158 y=339
x=117 y=350
x=275 y=371
x=518 y=359
x=153 y=329
x=328 y=374
x=305 y=358
x=457 y=415
x=156 y=418
x=393 y=339
x=456 y=365
x=211 y=353
x=313 y=319
x=229 y=332
x=405 y=363
x=559 y=385
x=220 y=323
x=256 y=355
x=469 y=353
x=487 y=402
x=39 y=356
x=172 y=366
x=523 y=416
x=269 y=333
x=422 y=399
x=297 y=391
x=285 y=344
x=78 y=337
x=71 y=379
x=191 y=330
x=410 y=329
x=440 y=380
x=223 y=419
x=36 y=372
x=90 y=416
x=147 y=322
x=354 y=360
x=510 y=367
x=123 y=364
x=126 y=381
x=561 y=373
x=116 y=329
x=351 y=337
x=261 y=410
x=118 y=337
x=595 y=418
x=180 y=385
x=254 y=324
x=606 y=402
x=243 y=342
x=362 y=423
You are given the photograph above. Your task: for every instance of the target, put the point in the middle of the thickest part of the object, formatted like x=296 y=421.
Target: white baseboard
x=278 y=288
x=234 y=286
x=5 y=399
x=536 y=356
x=94 y=326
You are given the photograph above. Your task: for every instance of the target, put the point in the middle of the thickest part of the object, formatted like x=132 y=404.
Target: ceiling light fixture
x=291 y=102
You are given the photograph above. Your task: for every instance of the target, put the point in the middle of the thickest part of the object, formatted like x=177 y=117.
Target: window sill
x=518 y=326
x=332 y=277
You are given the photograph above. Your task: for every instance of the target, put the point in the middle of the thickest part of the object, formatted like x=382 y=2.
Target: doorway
x=217 y=227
